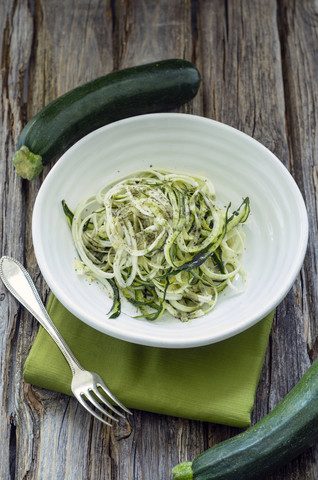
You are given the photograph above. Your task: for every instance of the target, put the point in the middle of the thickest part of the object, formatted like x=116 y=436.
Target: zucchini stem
x=182 y=471
x=27 y=164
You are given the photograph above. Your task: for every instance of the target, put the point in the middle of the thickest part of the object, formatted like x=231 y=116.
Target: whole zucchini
x=279 y=437
x=124 y=93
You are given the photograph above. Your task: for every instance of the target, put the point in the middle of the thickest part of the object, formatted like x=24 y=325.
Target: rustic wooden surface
x=259 y=68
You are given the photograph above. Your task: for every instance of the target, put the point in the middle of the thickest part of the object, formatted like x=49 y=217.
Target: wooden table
x=258 y=61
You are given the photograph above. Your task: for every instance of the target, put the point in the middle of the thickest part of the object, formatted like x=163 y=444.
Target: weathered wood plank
x=248 y=88
x=15 y=30
x=147 y=31
x=296 y=326
x=68 y=50
x=151 y=30
x=299 y=34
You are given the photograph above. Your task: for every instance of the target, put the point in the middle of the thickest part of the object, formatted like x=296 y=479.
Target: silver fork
x=86 y=386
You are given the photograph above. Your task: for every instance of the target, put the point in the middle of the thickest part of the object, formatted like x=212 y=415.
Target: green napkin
x=214 y=383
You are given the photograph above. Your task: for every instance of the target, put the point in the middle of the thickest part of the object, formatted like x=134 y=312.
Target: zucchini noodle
x=159 y=239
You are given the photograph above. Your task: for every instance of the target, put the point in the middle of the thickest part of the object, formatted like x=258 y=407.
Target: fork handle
x=19 y=283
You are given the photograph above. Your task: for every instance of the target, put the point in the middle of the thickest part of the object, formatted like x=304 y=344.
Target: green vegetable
x=183 y=471
x=153 y=87
x=68 y=213
x=115 y=310
x=279 y=437
x=162 y=240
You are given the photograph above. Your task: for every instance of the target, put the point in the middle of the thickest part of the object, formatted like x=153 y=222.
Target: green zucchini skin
x=278 y=438
x=148 y=88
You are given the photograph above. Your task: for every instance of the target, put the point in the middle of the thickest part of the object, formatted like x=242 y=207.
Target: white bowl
x=239 y=166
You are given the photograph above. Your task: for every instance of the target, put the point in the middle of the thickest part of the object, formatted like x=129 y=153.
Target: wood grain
x=258 y=62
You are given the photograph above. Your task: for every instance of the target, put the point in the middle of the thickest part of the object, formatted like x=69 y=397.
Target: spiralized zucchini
x=160 y=239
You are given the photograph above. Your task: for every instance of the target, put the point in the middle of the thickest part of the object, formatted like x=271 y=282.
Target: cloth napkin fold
x=215 y=383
